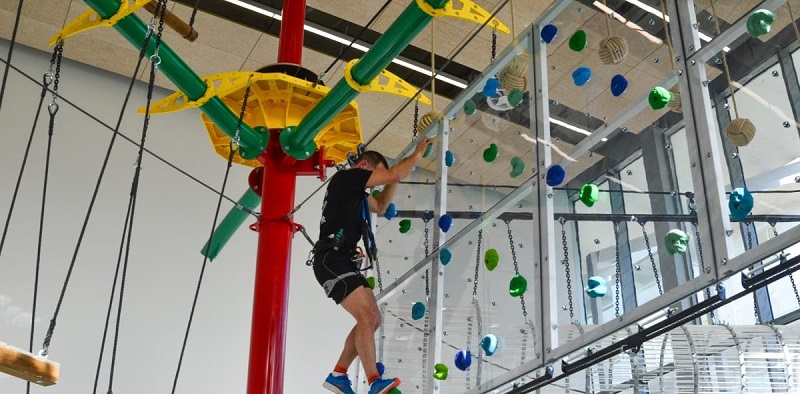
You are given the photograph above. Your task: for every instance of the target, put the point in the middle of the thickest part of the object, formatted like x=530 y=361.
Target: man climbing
x=345 y=219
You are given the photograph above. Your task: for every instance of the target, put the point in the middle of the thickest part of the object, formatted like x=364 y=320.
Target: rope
x=191 y=19
x=667 y=35
x=48 y=337
x=725 y=61
x=608 y=21
x=794 y=22
x=161 y=6
x=233 y=148
x=513 y=23
x=126 y=138
x=10 y=51
x=433 y=68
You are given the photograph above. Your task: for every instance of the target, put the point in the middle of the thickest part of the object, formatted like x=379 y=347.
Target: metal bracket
x=91 y=19
x=468 y=11
x=220 y=85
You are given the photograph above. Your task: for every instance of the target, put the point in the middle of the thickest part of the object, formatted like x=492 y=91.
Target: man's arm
x=380 y=203
x=400 y=170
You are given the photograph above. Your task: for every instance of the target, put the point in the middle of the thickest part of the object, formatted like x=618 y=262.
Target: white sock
x=338 y=374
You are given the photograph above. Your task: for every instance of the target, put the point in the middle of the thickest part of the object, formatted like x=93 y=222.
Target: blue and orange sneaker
x=383 y=386
x=338 y=385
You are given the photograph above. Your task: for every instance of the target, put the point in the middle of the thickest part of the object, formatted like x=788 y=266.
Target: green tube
x=174 y=68
x=298 y=142
x=232 y=221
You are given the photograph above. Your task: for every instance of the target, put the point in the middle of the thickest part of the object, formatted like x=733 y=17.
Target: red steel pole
x=290 y=47
x=271 y=293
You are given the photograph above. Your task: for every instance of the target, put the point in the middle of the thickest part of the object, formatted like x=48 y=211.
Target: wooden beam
x=27 y=366
x=174 y=22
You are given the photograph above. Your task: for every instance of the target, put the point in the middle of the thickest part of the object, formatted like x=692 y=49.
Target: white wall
x=172 y=221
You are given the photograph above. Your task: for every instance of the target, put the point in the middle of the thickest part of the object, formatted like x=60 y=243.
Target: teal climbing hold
x=517 y=166
x=449 y=159
x=418 y=311
x=597 y=287
x=445 y=256
x=760 y=22
x=489 y=344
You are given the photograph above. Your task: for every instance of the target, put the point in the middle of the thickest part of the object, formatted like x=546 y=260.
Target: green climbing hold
x=578 y=41
x=405 y=225
x=659 y=98
x=517 y=286
x=470 y=107
x=589 y=193
x=515 y=97
x=491 y=153
x=371 y=282
x=375 y=193
x=491 y=258
x=441 y=371
x=395 y=391
x=676 y=241
x=428 y=150
x=760 y=22
x=517 y=166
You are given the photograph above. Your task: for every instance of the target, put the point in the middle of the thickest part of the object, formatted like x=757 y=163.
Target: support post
x=627 y=280
x=290 y=46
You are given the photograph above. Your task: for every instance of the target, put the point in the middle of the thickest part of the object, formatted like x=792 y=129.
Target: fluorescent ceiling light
x=657 y=13
x=345 y=41
x=573 y=128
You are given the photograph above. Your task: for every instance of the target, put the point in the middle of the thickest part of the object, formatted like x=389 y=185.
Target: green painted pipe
x=232 y=221
x=298 y=142
x=174 y=68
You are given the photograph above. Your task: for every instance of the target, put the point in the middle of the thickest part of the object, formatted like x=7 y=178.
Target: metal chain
x=425 y=243
x=477 y=266
x=791 y=276
x=702 y=262
x=516 y=268
x=750 y=246
x=494 y=45
x=618 y=273
x=378 y=274
x=562 y=221
x=652 y=260
x=416 y=118
x=57 y=55
x=235 y=140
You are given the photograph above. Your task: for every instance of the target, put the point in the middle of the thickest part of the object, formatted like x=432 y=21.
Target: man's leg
x=362 y=305
x=349 y=352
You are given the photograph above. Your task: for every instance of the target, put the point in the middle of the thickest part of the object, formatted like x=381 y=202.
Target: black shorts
x=338 y=274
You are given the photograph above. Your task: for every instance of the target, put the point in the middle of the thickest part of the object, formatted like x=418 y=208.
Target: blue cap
x=597 y=287
x=445 y=256
x=490 y=88
x=618 y=85
x=489 y=344
x=740 y=203
x=418 y=311
x=445 y=221
x=463 y=359
x=581 y=75
x=391 y=211
x=555 y=175
x=549 y=32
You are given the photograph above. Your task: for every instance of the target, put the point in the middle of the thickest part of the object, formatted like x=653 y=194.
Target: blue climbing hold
x=445 y=256
x=555 y=175
x=445 y=222
x=391 y=211
x=463 y=359
x=489 y=344
x=618 y=85
x=581 y=75
x=549 y=32
x=380 y=367
x=740 y=203
x=418 y=311
x=448 y=158
x=597 y=287
x=490 y=88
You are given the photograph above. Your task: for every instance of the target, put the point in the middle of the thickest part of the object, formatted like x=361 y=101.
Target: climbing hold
x=491 y=153
x=581 y=75
x=428 y=151
x=659 y=98
x=440 y=371
x=740 y=203
x=517 y=166
x=405 y=225
x=470 y=107
x=740 y=131
x=589 y=194
x=597 y=287
x=371 y=282
x=578 y=41
x=395 y=391
x=619 y=84
x=491 y=258
x=489 y=344
x=517 y=286
x=549 y=32
x=676 y=241
x=445 y=222
x=463 y=359
x=380 y=367
x=613 y=50
x=445 y=256
x=375 y=193
x=448 y=158
x=418 y=311
x=555 y=175
x=759 y=22
x=490 y=87
x=391 y=211
x=515 y=97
